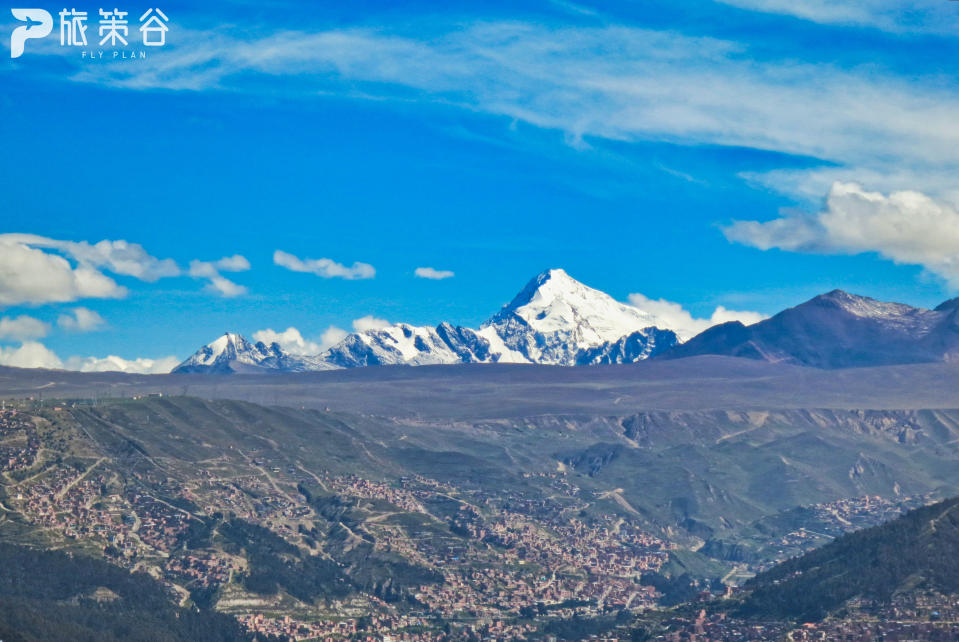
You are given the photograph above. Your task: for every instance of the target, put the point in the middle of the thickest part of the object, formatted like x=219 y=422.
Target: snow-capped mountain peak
x=229 y=346
x=232 y=352
x=555 y=317
x=554 y=300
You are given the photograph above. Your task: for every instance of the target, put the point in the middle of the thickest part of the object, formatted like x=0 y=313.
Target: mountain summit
x=234 y=353
x=554 y=320
x=837 y=330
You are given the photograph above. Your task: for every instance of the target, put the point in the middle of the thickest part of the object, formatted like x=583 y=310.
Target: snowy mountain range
x=557 y=320
x=554 y=320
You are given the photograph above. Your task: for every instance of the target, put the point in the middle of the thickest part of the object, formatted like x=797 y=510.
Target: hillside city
x=498 y=565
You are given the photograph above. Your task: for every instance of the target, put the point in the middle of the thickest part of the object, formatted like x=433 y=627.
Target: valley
x=423 y=517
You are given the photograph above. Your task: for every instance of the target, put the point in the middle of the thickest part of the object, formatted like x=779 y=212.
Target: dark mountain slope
x=920 y=550
x=51 y=595
x=837 y=330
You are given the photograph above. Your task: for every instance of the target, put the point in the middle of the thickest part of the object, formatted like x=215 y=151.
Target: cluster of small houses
x=202 y=570
x=19 y=443
x=380 y=628
x=607 y=560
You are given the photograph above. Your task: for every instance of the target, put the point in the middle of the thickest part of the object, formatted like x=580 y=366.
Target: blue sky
x=745 y=154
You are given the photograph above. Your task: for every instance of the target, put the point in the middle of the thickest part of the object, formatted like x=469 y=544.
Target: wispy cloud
x=613 y=82
x=433 y=273
x=326 y=268
x=896 y=16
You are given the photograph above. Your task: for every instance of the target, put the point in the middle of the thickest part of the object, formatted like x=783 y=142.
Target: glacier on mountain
x=554 y=320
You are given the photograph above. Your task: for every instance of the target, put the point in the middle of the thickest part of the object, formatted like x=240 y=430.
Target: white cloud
x=897 y=16
x=113 y=363
x=119 y=257
x=33 y=354
x=208 y=269
x=202 y=269
x=906 y=227
x=36 y=269
x=610 y=81
x=673 y=316
x=219 y=284
x=332 y=335
x=290 y=340
x=746 y=317
x=22 y=327
x=326 y=268
x=225 y=287
x=369 y=322
x=30 y=354
x=235 y=263
x=30 y=275
x=81 y=320
x=431 y=273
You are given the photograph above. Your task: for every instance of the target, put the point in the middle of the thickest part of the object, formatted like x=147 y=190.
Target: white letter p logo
x=39 y=24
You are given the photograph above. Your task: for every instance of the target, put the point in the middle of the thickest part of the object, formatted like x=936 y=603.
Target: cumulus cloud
x=113 y=363
x=905 y=227
x=30 y=275
x=119 y=257
x=235 y=263
x=326 y=268
x=369 y=322
x=33 y=354
x=30 y=354
x=673 y=316
x=434 y=274
x=217 y=283
x=22 y=327
x=332 y=335
x=290 y=340
x=38 y=269
x=81 y=320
